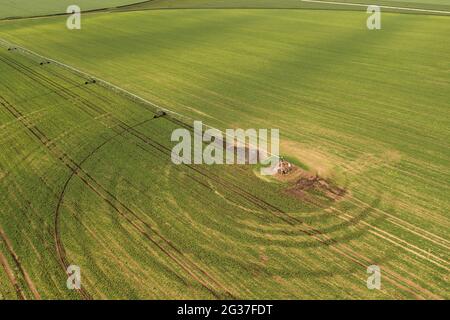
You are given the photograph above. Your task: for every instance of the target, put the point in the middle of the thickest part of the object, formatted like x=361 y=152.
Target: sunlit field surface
x=161 y=4
x=86 y=176
x=26 y=8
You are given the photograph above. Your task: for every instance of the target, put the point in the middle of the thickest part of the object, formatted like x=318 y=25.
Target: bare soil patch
x=304 y=183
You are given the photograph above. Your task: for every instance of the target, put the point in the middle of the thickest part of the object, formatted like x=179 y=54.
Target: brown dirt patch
x=304 y=182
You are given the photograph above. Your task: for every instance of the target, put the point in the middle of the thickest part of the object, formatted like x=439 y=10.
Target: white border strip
x=385 y=7
x=119 y=89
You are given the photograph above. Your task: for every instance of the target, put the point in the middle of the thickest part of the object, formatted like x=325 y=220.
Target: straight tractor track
x=11 y=277
x=19 y=266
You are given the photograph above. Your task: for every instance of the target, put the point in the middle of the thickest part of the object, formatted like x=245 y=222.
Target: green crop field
x=86 y=176
x=22 y=8
x=291 y=4
x=25 y=8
